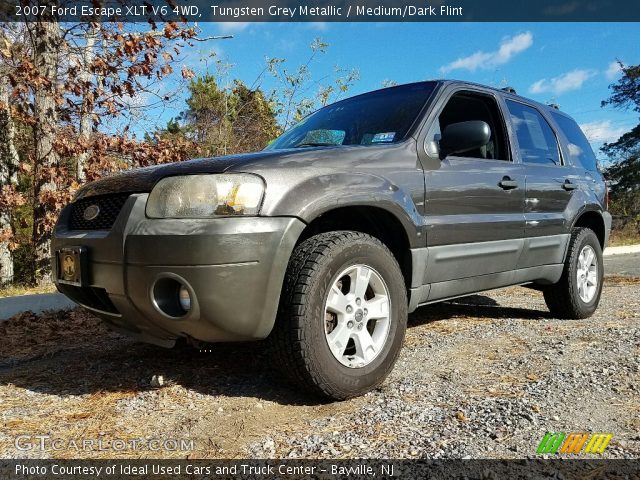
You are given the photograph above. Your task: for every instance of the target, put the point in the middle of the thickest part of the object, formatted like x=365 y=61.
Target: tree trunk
x=46 y=41
x=88 y=55
x=8 y=175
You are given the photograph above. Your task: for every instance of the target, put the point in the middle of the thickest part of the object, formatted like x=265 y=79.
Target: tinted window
x=383 y=116
x=468 y=106
x=333 y=137
x=536 y=139
x=579 y=147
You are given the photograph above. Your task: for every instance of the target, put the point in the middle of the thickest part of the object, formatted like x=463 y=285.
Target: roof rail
x=509 y=89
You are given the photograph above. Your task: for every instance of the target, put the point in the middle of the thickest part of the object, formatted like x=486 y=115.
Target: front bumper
x=232 y=267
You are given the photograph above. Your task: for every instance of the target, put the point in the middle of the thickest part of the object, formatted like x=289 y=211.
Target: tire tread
x=562 y=298
x=288 y=341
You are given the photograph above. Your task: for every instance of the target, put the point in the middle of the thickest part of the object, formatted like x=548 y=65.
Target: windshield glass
x=379 y=117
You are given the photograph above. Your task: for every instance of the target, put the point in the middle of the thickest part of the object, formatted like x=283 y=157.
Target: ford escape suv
x=327 y=239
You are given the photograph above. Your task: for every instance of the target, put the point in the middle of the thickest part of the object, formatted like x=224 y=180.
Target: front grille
x=109 y=207
x=92 y=297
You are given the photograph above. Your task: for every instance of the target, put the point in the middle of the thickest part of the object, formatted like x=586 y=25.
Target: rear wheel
x=343 y=314
x=577 y=294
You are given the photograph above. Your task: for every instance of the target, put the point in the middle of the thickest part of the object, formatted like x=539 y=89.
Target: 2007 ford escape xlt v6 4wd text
x=359 y=214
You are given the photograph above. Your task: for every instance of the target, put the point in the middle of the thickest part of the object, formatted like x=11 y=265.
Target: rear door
x=549 y=186
x=474 y=200
x=577 y=150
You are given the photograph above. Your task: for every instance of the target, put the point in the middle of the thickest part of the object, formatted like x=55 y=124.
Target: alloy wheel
x=357 y=316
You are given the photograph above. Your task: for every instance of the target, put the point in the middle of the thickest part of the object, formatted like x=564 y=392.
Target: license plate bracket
x=72 y=266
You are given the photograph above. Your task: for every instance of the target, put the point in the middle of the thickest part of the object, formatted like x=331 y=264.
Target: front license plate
x=72 y=265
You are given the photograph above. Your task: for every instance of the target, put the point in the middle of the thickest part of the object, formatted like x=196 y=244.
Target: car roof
x=505 y=93
x=446 y=82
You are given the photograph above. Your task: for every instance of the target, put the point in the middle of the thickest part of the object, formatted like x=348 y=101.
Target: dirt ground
x=65 y=377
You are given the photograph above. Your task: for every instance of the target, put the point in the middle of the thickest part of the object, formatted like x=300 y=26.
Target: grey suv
x=328 y=238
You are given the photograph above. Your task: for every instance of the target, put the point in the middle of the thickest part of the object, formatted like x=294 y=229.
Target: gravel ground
x=481 y=377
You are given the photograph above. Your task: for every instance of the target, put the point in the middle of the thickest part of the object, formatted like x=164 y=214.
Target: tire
x=567 y=298
x=302 y=333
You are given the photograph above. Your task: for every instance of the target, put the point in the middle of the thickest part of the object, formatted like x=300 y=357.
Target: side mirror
x=464 y=136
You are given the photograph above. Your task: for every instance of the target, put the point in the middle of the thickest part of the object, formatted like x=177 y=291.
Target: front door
x=474 y=200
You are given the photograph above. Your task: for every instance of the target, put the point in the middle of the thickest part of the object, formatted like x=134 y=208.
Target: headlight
x=202 y=196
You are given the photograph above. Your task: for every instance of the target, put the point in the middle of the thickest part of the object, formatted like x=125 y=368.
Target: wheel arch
x=372 y=220
x=593 y=220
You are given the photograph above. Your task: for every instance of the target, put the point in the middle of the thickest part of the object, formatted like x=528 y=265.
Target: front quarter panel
x=387 y=177
x=312 y=197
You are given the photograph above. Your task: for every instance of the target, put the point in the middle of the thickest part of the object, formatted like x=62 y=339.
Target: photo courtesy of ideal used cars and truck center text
x=316 y=240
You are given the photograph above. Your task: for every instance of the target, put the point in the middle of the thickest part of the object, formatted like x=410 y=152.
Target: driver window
x=465 y=106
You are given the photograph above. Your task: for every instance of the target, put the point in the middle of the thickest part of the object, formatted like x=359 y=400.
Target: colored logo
x=91 y=212
x=574 y=442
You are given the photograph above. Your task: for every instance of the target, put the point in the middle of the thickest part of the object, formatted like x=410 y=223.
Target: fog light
x=184 y=298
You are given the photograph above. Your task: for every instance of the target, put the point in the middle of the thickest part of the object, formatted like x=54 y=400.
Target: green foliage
x=626 y=92
x=207 y=114
x=24 y=257
x=254 y=121
x=624 y=173
x=237 y=118
x=221 y=121
x=624 y=178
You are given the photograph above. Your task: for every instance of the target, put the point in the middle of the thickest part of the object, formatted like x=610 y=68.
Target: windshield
x=379 y=117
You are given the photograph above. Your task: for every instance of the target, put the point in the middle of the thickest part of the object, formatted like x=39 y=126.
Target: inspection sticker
x=383 y=137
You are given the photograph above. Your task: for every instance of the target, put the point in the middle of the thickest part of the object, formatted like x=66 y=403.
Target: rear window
x=579 y=148
x=536 y=139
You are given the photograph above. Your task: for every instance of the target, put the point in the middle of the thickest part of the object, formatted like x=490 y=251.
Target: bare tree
x=86 y=110
x=9 y=159
x=8 y=178
x=46 y=40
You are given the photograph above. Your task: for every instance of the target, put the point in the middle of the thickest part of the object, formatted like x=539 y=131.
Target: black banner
x=323 y=10
x=320 y=469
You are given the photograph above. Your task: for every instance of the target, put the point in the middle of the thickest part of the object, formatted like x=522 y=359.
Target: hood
x=142 y=180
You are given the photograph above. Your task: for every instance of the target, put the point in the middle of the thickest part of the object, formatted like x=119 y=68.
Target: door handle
x=568 y=185
x=507 y=184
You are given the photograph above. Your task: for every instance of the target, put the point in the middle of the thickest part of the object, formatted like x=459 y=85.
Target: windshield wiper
x=315 y=144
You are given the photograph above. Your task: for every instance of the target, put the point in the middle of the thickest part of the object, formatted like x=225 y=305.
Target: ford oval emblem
x=91 y=212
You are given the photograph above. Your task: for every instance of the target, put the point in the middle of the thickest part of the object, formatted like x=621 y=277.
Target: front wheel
x=343 y=314
x=577 y=294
